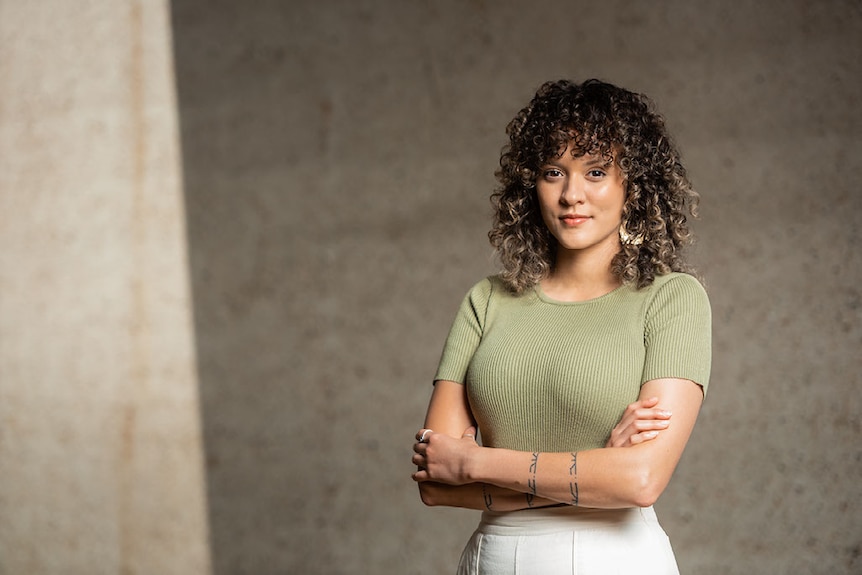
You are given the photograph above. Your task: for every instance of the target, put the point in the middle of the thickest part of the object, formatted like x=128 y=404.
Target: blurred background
x=234 y=236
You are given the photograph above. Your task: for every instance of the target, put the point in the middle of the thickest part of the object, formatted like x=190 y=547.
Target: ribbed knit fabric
x=544 y=375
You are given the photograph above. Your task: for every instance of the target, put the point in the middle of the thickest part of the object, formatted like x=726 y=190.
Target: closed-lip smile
x=574 y=218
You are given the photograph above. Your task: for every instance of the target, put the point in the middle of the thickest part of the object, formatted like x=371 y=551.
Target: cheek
x=545 y=204
x=614 y=200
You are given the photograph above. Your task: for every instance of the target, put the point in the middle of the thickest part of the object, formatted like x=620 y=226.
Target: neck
x=579 y=276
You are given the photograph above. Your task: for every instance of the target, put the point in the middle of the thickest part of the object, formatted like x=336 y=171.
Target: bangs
x=579 y=142
x=584 y=127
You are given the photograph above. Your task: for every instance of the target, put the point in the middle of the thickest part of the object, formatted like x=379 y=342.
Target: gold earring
x=628 y=239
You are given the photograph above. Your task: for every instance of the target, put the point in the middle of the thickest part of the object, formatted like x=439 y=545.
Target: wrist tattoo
x=573 y=479
x=531 y=481
x=487 y=497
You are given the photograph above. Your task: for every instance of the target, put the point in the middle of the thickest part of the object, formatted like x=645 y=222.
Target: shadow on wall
x=302 y=299
x=259 y=293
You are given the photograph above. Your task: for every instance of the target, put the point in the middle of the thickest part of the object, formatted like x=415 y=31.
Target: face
x=581 y=200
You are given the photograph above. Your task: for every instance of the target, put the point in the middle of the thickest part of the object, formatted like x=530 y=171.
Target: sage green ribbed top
x=544 y=375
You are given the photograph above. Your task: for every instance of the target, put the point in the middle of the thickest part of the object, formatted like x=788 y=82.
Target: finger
x=652 y=413
x=639 y=438
x=650 y=424
x=470 y=433
x=650 y=402
x=423 y=434
x=422 y=474
x=628 y=418
x=619 y=438
x=642 y=403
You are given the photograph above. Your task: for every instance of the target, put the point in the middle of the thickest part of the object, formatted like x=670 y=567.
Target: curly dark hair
x=593 y=118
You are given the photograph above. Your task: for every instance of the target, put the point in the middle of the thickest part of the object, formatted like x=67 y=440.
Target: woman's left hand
x=444 y=459
x=641 y=421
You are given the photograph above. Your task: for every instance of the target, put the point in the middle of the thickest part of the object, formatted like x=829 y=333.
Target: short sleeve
x=465 y=334
x=678 y=332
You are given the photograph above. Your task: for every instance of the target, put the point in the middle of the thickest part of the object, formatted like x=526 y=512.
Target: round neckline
x=537 y=289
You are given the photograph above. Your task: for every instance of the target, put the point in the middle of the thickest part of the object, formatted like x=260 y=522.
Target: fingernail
x=666 y=413
x=650 y=434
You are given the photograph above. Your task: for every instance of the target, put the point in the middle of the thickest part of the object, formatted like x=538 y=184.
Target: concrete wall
x=337 y=158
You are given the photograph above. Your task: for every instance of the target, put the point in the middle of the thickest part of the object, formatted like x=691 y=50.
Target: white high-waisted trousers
x=569 y=541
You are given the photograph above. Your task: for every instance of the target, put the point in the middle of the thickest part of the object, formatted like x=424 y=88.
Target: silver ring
x=470 y=436
x=424 y=433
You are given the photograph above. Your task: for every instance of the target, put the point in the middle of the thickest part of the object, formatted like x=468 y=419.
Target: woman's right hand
x=641 y=421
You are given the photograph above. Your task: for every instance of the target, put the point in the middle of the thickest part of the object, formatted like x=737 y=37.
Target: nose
x=573 y=192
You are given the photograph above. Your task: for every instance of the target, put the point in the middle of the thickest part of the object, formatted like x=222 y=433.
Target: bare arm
x=449 y=414
x=606 y=478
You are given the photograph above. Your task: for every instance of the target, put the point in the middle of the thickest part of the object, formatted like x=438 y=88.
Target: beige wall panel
x=99 y=420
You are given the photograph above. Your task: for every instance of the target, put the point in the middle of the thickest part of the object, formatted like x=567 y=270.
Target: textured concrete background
x=337 y=159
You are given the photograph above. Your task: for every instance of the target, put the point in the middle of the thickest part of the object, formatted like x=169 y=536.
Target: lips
x=573 y=219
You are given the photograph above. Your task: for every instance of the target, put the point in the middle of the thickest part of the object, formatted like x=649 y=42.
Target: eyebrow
x=595 y=161
x=599 y=161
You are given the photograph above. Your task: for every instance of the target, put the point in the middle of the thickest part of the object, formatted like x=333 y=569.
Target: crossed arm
x=631 y=471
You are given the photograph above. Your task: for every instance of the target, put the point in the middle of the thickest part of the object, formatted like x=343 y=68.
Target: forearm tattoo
x=531 y=481
x=487 y=497
x=573 y=479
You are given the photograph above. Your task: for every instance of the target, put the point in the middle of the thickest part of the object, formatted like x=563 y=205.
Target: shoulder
x=674 y=286
x=475 y=303
x=677 y=278
x=485 y=289
x=677 y=284
x=677 y=293
x=488 y=297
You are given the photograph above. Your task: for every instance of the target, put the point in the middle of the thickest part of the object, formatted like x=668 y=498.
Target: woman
x=571 y=361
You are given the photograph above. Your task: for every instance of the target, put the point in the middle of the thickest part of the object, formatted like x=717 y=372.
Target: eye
x=596 y=174
x=551 y=173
